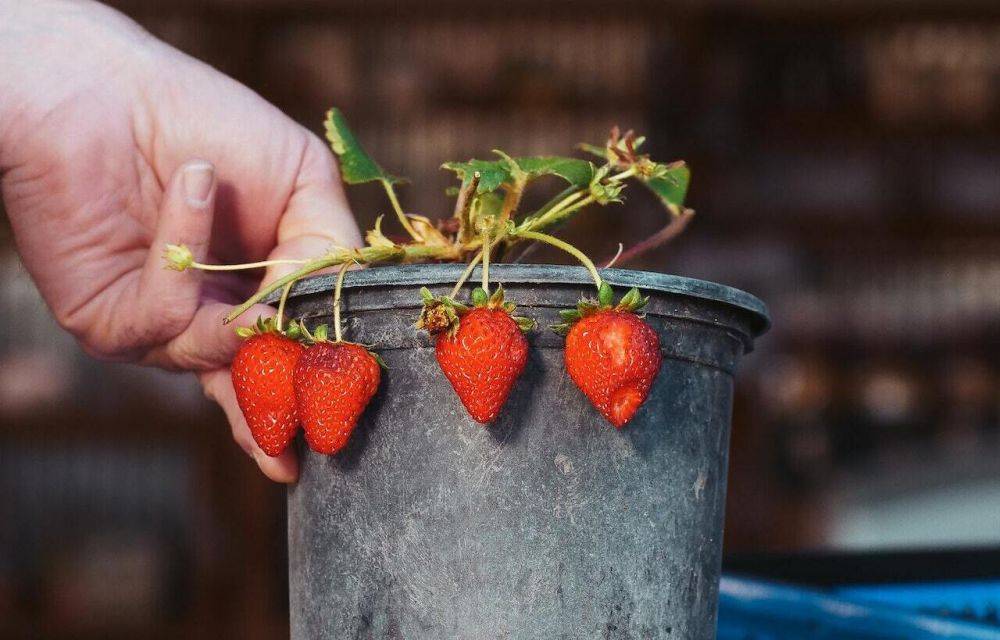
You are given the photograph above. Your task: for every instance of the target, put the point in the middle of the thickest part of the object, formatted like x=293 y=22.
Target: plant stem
x=557 y=213
x=562 y=204
x=628 y=173
x=610 y=263
x=389 y=191
x=568 y=248
x=662 y=236
x=486 y=260
x=465 y=275
x=463 y=205
x=248 y=265
x=281 y=304
x=336 y=301
x=364 y=255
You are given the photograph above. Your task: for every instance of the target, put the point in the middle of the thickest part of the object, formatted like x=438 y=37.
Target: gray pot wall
x=547 y=524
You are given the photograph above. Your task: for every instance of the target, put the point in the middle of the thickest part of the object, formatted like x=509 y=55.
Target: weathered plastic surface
x=548 y=524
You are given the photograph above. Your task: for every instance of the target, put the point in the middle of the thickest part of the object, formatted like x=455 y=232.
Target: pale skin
x=113 y=144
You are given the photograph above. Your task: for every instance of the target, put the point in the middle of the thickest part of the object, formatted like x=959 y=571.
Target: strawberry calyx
x=631 y=302
x=321 y=333
x=178 y=257
x=441 y=314
x=294 y=330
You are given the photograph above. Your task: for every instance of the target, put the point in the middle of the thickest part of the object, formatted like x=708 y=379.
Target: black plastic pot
x=547 y=524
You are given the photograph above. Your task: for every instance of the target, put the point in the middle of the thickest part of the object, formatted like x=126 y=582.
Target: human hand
x=113 y=144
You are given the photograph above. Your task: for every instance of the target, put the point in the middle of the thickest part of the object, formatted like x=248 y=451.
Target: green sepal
x=632 y=301
x=569 y=315
x=293 y=331
x=525 y=324
x=245 y=332
x=605 y=294
x=426 y=295
x=479 y=297
x=587 y=306
x=496 y=300
x=562 y=328
x=509 y=307
x=379 y=360
x=321 y=333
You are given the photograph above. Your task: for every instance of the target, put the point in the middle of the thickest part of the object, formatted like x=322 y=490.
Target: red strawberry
x=481 y=350
x=262 y=377
x=334 y=382
x=612 y=355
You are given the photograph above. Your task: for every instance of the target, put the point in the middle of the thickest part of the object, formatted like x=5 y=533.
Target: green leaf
x=487 y=205
x=493 y=173
x=562 y=328
x=356 y=166
x=573 y=170
x=671 y=188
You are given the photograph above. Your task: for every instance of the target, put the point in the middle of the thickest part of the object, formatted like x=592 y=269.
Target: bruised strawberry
x=334 y=382
x=612 y=355
x=262 y=378
x=481 y=350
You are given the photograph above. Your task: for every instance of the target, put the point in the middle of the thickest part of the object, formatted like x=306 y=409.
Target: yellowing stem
x=466 y=274
x=486 y=261
x=336 y=301
x=281 y=305
x=568 y=248
x=403 y=220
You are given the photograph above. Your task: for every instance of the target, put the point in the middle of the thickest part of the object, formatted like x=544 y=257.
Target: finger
x=168 y=299
x=206 y=343
x=318 y=216
x=218 y=386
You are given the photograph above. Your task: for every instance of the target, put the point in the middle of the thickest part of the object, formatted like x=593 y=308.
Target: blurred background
x=846 y=169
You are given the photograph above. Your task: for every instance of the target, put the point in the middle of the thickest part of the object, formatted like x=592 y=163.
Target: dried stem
x=664 y=235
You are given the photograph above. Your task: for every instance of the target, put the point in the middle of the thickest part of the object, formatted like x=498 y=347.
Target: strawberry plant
x=611 y=353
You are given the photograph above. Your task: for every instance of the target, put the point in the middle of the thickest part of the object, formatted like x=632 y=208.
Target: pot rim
x=437 y=274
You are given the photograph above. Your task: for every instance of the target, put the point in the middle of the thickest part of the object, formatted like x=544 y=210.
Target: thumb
x=168 y=299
